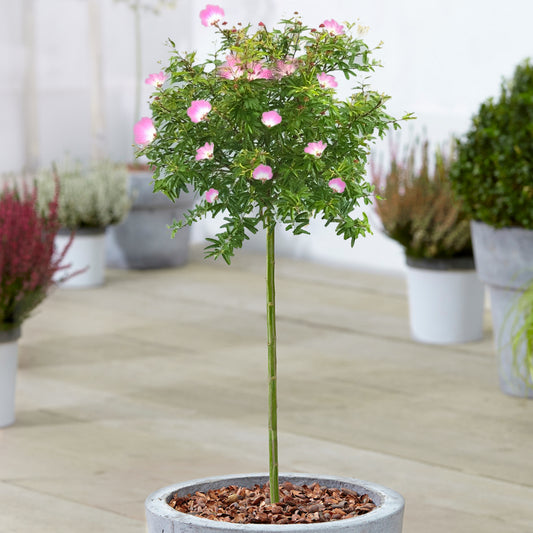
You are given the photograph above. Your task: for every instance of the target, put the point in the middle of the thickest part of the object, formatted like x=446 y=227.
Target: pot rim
x=10 y=335
x=388 y=502
x=465 y=262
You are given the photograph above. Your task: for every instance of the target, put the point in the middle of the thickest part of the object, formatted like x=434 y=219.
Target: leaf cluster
x=418 y=209
x=494 y=168
x=299 y=189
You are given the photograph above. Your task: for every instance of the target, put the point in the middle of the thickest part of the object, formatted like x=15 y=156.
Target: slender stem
x=272 y=366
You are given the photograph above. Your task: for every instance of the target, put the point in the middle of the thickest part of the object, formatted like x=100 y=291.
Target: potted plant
x=139 y=241
x=419 y=212
x=493 y=175
x=28 y=265
x=260 y=133
x=91 y=199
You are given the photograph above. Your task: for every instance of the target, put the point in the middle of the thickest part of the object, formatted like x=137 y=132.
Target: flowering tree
x=259 y=131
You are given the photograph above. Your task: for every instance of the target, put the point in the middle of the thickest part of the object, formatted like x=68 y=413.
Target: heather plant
x=419 y=210
x=90 y=197
x=27 y=260
x=260 y=133
x=493 y=173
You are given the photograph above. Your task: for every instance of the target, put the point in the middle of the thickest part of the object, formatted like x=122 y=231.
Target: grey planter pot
x=386 y=518
x=143 y=240
x=504 y=261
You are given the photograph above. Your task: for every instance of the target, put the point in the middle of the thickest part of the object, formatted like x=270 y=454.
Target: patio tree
x=259 y=131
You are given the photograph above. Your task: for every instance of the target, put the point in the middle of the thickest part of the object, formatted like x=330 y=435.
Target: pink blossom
x=337 y=185
x=262 y=173
x=333 y=27
x=231 y=69
x=315 y=149
x=211 y=15
x=144 y=131
x=205 y=152
x=270 y=118
x=326 y=81
x=257 y=72
x=156 y=80
x=211 y=195
x=285 y=68
x=198 y=110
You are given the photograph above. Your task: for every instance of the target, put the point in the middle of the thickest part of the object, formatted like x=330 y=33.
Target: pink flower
x=144 y=131
x=257 y=72
x=337 y=185
x=198 y=110
x=262 y=173
x=270 y=118
x=315 y=149
x=285 y=68
x=326 y=81
x=211 y=15
x=231 y=69
x=205 y=152
x=156 y=80
x=211 y=195
x=333 y=27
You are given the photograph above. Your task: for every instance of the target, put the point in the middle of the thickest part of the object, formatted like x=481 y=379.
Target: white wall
x=441 y=59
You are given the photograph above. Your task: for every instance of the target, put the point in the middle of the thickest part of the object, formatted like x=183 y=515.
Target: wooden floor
x=159 y=377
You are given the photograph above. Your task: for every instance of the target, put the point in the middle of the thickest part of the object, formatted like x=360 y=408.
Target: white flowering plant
x=259 y=131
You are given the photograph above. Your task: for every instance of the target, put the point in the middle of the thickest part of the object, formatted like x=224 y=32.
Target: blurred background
x=68 y=76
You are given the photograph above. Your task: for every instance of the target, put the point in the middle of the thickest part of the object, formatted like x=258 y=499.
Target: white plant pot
x=85 y=255
x=387 y=517
x=446 y=304
x=8 y=375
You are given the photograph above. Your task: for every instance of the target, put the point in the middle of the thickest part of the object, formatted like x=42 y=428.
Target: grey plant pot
x=504 y=261
x=386 y=518
x=143 y=240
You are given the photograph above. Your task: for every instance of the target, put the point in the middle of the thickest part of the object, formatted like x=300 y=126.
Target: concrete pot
x=386 y=518
x=8 y=374
x=446 y=300
x=504 y=261
x=143 y=240
x=85 y=255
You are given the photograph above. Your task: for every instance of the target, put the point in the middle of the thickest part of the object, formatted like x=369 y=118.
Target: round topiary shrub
x=493 y=172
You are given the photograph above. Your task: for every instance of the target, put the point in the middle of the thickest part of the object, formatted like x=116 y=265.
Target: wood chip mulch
x=298 y=504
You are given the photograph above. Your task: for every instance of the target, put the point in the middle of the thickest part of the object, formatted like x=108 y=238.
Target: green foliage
x=418 y=209
x=299 y=189
x=90 y=197
x=494 y=168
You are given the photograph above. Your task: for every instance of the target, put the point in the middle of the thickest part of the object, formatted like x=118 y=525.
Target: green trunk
x=272 y=366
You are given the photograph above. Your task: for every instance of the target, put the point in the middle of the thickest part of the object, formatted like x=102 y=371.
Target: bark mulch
x=298 y=504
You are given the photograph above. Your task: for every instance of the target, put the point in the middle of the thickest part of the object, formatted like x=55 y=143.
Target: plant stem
x=272 y=366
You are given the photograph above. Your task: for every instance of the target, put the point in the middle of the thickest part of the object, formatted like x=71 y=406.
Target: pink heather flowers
x=262 y=173
x=315 y=149
x=156 y=80
x=211 y=195
x=333 y=27
x=198 y=110
x=205 y=152
x=326 y=81
x=144 y=131
x=337 y=185
x=211 y=15
x=270 y=118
